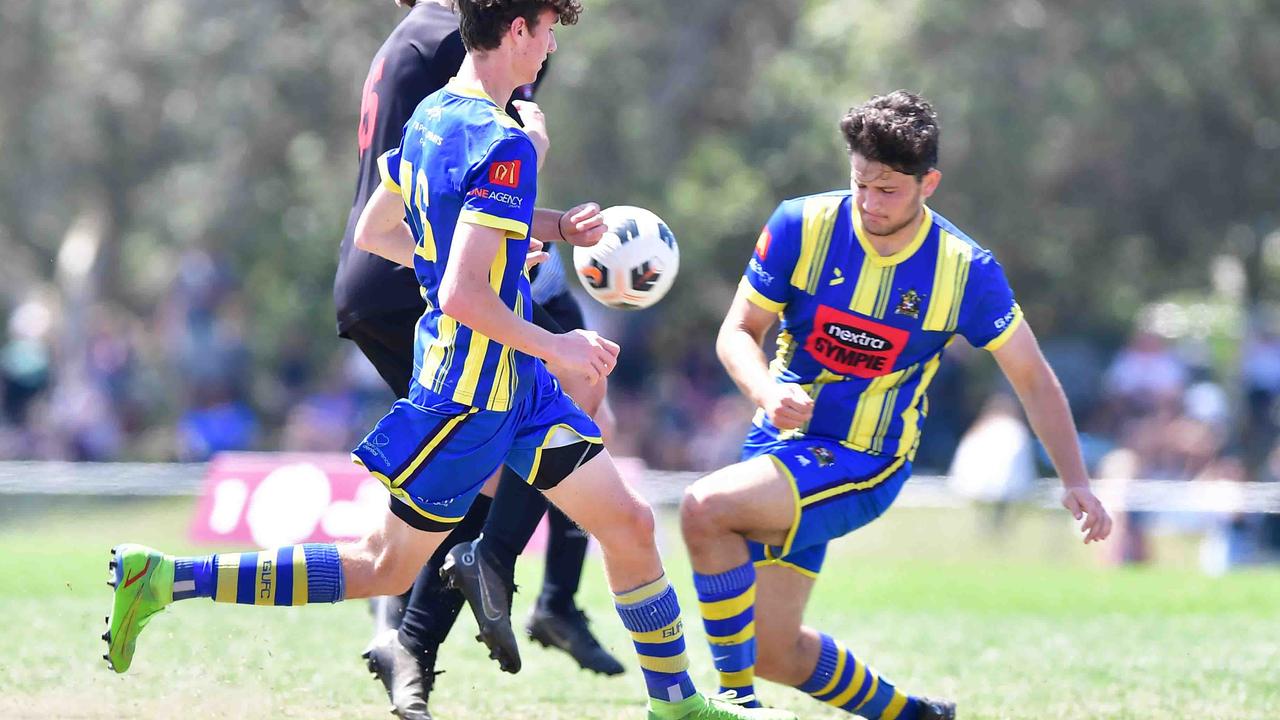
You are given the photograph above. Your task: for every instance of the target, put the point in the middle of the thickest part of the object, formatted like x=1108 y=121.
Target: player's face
x=535 y=43
x=888 y=200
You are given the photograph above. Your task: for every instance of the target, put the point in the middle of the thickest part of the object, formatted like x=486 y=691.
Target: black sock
x=517 y=509
x=566 y=550
x=432 y=609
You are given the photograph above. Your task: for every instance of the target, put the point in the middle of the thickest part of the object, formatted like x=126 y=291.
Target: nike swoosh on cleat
x=131 y=580
x=490 y=613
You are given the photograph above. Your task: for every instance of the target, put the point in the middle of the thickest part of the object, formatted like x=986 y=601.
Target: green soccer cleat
x=143 y=581
x=701 y=707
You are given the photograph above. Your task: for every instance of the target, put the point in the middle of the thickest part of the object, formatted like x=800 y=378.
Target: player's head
x=893 y=151
x=524 y=27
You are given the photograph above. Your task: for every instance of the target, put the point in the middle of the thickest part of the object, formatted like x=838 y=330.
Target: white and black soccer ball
x=634 y=264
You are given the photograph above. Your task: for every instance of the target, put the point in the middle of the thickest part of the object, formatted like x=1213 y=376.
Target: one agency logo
x=852 y=345
x=506 y=174
x=498 y=196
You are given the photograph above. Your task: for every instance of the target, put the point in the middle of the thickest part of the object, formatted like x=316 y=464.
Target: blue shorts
x=837 y=490
x=435 y=461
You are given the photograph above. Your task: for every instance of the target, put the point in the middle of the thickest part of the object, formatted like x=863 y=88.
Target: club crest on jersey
x=506 y=173
x=909 y=305
x=848 y=344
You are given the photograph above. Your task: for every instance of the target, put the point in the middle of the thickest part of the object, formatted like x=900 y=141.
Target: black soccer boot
x=936 y=709
x=489 y=594
x=407 y=682
x=569 y=632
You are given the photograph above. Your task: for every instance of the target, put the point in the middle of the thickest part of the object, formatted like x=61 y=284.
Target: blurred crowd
x=183 y=382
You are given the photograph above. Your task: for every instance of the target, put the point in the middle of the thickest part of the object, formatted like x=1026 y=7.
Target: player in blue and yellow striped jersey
x=871 y=286
x=457 y=205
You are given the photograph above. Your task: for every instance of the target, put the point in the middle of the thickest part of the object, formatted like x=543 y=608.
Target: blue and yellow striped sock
x=728 y=603
x=291 y=575
x=652 y=613
x=843 y=681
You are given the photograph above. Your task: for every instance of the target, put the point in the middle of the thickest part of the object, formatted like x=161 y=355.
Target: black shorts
x=387 y=340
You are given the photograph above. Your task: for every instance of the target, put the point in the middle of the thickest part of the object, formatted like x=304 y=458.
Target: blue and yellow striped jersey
x=463 y=159
x=863 y=333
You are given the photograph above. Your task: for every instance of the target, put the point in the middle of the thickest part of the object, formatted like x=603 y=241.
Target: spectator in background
x=994 y=464
x=26 y=359
x=1146 y=376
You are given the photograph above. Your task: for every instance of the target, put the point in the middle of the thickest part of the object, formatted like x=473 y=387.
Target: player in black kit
x=378 y=304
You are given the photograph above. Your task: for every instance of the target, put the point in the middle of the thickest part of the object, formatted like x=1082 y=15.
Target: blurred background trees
x=1119 y=159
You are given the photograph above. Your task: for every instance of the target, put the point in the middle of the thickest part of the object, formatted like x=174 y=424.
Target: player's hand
x=586 y=353
x=1084 y=505
x=583 y=225
x=535 y=126
x=535 y=255
x=787 y=406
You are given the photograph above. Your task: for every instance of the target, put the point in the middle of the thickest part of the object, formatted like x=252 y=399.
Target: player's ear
x=930 y=181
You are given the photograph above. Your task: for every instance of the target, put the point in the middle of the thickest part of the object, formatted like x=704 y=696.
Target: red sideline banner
x=272 y=499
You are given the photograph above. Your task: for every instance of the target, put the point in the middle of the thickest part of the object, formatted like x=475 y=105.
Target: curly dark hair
x=484 y=22
x=899 y=129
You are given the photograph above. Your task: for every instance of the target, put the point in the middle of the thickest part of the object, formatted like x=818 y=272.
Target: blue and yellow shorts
x=837 y=490
x=435 y=461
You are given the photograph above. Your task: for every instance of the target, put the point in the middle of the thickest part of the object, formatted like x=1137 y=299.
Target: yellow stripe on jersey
x=867 y=416
x=950 y=275
x=758 y=299
x=265 y=579
x=514 y=229
x=389 y=180
x=815 y=238
x=911 y=415
x=435 y=364
x=478 y=348
x=397 y=492
x=1007 y=333
x=406 y=182
x=786 y=351
x=427 y=249
x=875 y=285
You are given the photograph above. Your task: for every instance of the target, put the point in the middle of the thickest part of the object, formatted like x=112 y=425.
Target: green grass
x=1027 y=626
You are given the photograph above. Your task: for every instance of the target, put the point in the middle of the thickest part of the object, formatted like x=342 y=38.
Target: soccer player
x=871 y=286
x=457 y=204
x=378 y=304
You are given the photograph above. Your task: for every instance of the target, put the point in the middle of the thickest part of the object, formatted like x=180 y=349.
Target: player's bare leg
x=595 y=497
x=752 y=611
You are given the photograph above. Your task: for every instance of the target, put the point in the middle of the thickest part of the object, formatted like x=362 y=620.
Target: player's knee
x=632 y=527
x=699 y=514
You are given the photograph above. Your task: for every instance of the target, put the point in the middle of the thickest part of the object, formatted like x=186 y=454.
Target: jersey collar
x=902 y=255
x=457 y=87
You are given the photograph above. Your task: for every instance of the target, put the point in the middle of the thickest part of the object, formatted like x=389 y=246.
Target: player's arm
x=381 y=229
x=1046 y=405
x=740 y=346
x=466 y=296
x=581 y=225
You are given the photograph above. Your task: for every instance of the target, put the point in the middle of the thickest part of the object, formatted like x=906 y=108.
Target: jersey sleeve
x=502 y=187
x=767 y=279
x=990 y=314
x=389 y=169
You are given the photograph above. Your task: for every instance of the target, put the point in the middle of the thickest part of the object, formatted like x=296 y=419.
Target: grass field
x=1030 y=626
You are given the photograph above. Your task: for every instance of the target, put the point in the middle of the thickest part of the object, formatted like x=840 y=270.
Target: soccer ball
x=634 y=264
